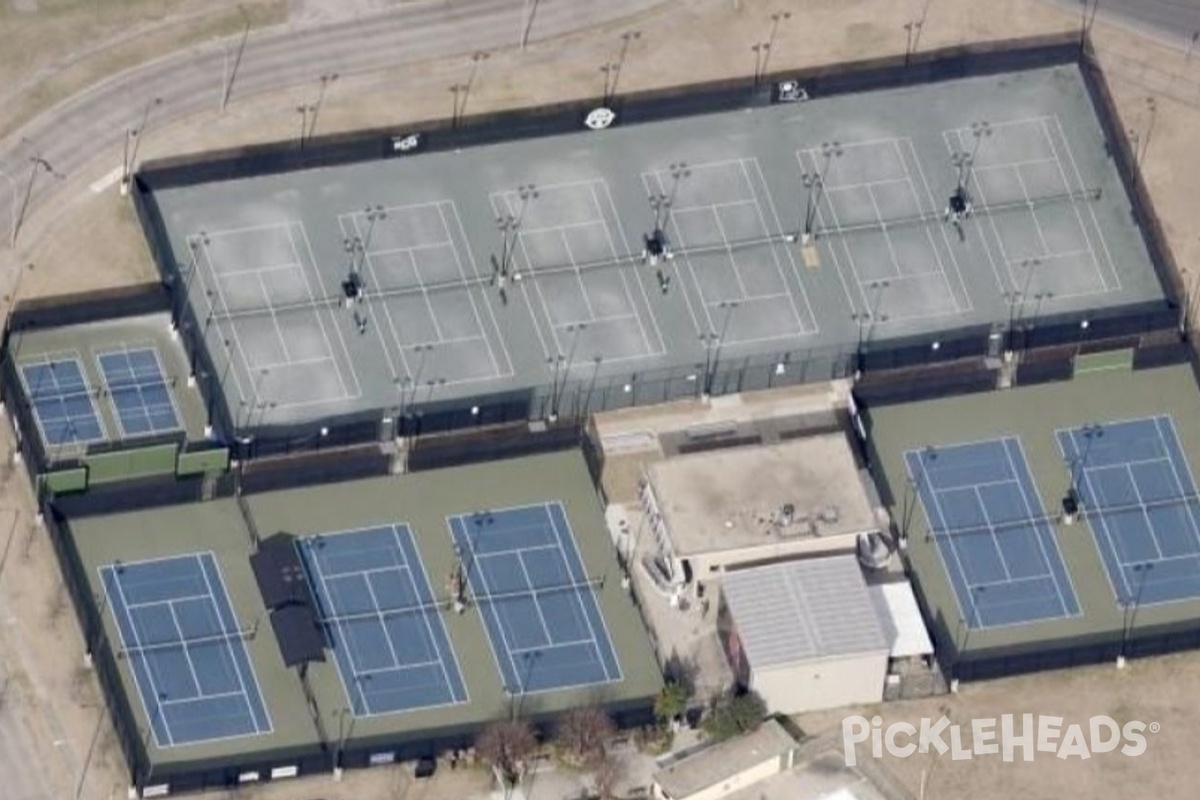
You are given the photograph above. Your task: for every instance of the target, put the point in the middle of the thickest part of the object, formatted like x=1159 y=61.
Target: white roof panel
x=901 y=619
x=803 y=610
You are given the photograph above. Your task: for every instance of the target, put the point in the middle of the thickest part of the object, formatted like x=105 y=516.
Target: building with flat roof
x=217 y=676
x=804 y=635
x=1052 y=523
x=715 y=510
x=714 y=771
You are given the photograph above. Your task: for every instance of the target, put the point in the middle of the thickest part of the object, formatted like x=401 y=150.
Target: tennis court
x=63 y=401
x=1138 y=495
x=186 y=650
x=139 y=392
x=535 y=598
x=391 y=647
x=992 y=533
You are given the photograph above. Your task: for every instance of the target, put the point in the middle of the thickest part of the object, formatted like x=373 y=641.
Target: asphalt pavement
x=36 y=160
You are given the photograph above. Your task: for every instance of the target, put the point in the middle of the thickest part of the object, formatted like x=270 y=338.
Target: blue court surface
x=188 y=656
x=62 y=402
x=391 y=647
x=139 y=392
x=992 y=533
x=1139 y=497
x=537 y=604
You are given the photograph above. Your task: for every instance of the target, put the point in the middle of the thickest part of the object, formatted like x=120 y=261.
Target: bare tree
x=605 y=775
x=505 y=745
x=582 y=733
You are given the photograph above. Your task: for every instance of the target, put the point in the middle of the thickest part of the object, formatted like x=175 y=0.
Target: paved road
x=94 y=122
x=1171 y=21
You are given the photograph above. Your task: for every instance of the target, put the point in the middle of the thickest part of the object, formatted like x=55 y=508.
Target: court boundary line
x=124 y=349
x=332 y=620
x=1187 y=500
x=1041 y=523
x=55 y=357
x=237 y=643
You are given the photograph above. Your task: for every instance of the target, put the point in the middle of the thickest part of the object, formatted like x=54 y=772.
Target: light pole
x=37 y=163
x=762 y=52
x=303 y=110
x=228 y=75
x=1143 y=570
x=326 y=79
x=1191 y=46
x=1091 y=433
x=344 y=731
x=812 y=183
x=139 y=135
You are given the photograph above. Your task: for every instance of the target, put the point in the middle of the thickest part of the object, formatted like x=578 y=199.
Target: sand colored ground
x=92 y=240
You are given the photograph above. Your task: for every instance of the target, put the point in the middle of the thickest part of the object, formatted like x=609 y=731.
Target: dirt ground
x=91 y=240
x=54 y=48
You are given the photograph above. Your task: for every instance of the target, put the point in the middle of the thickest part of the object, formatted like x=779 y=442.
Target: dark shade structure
x=279 y=573
x=298 y=631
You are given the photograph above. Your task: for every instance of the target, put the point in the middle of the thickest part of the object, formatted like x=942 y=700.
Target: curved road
x=92 y=123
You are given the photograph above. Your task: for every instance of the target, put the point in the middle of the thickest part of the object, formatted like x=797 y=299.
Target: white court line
x=948 y=538
x=555 y=646
x=1158 y=421
x=533 y=595
x=220 y=294
x=1026 y=162
x=1103 y=519
x=518 y=241
x=235 y=273
x=987 y=519
x=583 y=292
x=247 y=229
x=841 y=241
x=848 y=187
x=647 y=177
x=941 y=267
x=412 y=248
x=232 y=656
x=562 y=226
x=819 y=217
x=515 y=550
x=750 y=201
x=770 y=201
x=518 y=679
x=326 y=597
x=411 y=572
x=887 y=237
x=378 y=329
x=1037 y=224
x=470 y=294
x=737 y=274
x=187 y=656
x=141 y=654
x=1087 y=237
x=1151 y=528
x=60 y=396
x=266 y=294
x=648 y=348
x=1038 y=523
x=578 y=595
x=201 y=698
x=387 y=313
x=349 y=362
x=1091 y=210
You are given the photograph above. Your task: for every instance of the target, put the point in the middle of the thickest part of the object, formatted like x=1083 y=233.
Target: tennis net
x=1085 y=512
x=183 y=644
x=977 y=209
x=447 y=603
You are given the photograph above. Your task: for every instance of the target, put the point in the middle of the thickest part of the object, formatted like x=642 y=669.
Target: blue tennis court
x=537 y=604
x=992 y=533
x=188 y=656
x=62 y=402
x=1139 y=497
x=388 y=638
x=139 y=392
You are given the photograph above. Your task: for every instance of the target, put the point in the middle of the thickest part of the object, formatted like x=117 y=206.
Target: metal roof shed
x=804 y=634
